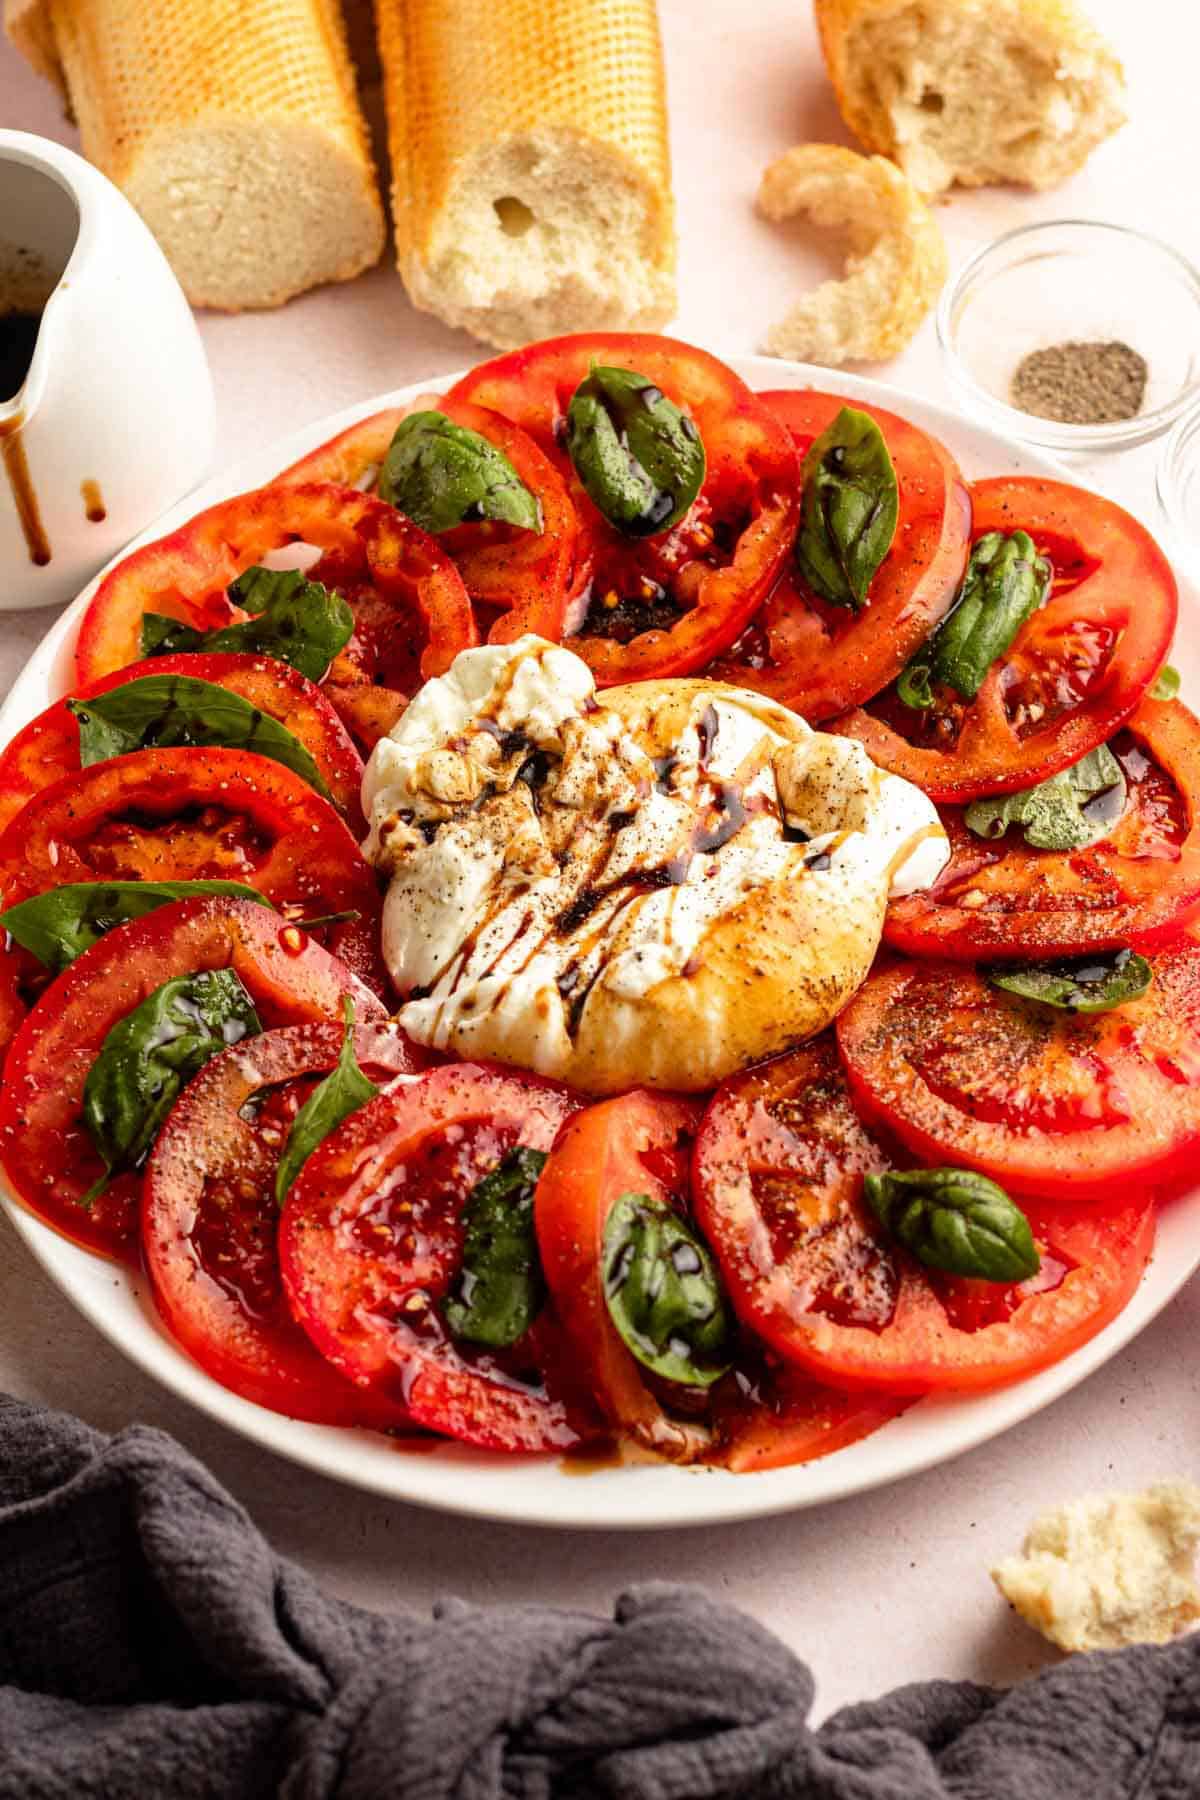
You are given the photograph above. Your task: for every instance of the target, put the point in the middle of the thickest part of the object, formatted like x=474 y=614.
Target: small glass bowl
x=1178 y=484
x=1072 y=280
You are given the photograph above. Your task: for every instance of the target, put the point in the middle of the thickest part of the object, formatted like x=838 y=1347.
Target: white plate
x=538 y=1490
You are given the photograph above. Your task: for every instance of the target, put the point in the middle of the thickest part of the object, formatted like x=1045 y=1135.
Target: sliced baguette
x=530 y=172
x=897 y=260
x=973 y=91
x=235 y=130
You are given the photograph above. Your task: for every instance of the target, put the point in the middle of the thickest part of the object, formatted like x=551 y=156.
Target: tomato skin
x=820 y=659
x=46 y=1153
x=777 y=1172
x=1049 y=1104
x=364 y=1286
x=268 y=828
x=751 y=489
x=212 y=1172
x=48 y=747
x=1139 y=887
x=608 y=1150
x=392 y=575
x=1114 y=599
x=529 y=575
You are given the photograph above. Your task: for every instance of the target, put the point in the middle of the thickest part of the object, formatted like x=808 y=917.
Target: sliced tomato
x=199 y=814
x=1075 y=671
x=525 y=576
x=820 y=659
x=210 y=1219
x=1048 y=1103
x=639 y=1143
x=664 y=605
x=48 y=747
x=411 y=611
x=786 y=1418
x=777 y=1185
x=371 y=1241
x=48 y=1157
x=1139 y=886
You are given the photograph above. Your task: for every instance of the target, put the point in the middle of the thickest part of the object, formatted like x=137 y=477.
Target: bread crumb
x=1109 y=1569
x=896 y=266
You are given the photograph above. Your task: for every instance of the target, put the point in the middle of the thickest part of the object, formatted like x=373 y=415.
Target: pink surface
x=892 y=1586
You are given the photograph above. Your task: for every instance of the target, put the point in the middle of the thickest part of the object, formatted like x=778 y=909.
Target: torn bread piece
x=1109 y=1569
x=896 y=266
x=973 y=91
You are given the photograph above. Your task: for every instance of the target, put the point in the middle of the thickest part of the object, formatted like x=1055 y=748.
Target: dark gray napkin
x=152 y=1645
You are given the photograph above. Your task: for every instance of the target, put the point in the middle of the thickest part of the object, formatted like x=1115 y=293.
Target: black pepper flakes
x=1080 y=383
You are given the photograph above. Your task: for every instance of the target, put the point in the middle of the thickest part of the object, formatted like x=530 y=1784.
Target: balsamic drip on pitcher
x=18 y=339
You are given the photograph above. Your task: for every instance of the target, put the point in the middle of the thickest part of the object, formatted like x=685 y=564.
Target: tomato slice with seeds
x=210 y=1219
x=371 y=1241
x=48 y=747
x=411 y=611
x=525 y=577
x=777 y=1185
x=820 y=659
x=1046 y=1102
x=639 y=1143
x=200 y=814
x=1075 y=671
x=48 y=1157
x=1139 y=886
x=664 y=605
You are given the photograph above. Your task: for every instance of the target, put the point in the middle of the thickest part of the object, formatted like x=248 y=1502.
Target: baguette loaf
x=235 y=130
x=531 y=182
x=973 y=91
x=897 y=261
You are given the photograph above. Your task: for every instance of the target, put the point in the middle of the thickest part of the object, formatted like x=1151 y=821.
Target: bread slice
x=897 y=260
x=234 y=129
x=973 y=91
x=530 y=171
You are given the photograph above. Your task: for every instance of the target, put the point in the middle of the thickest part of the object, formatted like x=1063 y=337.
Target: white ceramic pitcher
x=114 y=420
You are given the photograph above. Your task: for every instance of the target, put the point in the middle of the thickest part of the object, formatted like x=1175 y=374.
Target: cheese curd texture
x=656 y=886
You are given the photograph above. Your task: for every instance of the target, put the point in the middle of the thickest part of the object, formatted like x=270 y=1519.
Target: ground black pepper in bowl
x=1081 y=383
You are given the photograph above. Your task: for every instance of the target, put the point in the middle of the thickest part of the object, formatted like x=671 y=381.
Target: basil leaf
x=1005 y=583
x=500 y=1288
x=341 y=1093
x=59 y=926
x=1167 y=685
x=297 y=621
x=168 y=710
x=848 y=510
x=439 y=474
x=150 y=1055
x=1077 y=807
x=1081 y=984
x=640 y=458
x=957 y=1220
x=663 y=1292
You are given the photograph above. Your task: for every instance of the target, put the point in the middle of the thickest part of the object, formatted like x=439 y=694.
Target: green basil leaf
x=341 y=1093
x=150 y=1055
x=1167 y=685
x=1005 y=583
x=640 y=458
x=296 y=621
x=663 y=1292
x=1079 y=984
x=957 y=1220
x=848 y=510
x=1077 y=807
x=169 y=710
x=59 y=926
x=439 y=475
x=500 y=1288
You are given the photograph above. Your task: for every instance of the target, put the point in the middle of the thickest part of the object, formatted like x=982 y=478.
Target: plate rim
x=535 y=1491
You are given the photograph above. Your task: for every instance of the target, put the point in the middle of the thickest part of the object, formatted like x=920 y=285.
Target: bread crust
x=896 y=268
x=1055 y=32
